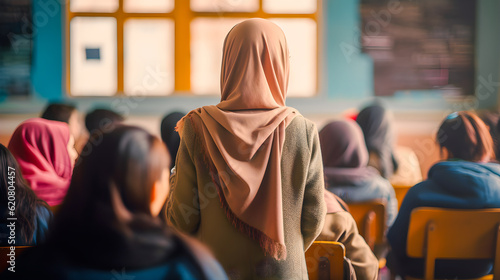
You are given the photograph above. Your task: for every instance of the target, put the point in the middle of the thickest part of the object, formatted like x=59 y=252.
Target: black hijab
x=168 y=134
x=376 y=123
x=491 y=120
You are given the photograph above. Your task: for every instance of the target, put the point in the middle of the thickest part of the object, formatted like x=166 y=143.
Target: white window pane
x=93 y=56
x=207 y=39
x=289 y=6
x=302 y=39
x=148 y=53
x=100 y=6
x=224 y=5
x=148 y=6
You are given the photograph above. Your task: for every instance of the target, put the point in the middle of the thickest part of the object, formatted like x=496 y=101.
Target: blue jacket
x=42 y=220
x=450 y=184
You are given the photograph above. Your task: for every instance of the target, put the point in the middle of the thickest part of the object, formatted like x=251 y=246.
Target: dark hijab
x=168 y=134
x=105 y=222
x=491 y=120
x=376 y=123
x=345 y=156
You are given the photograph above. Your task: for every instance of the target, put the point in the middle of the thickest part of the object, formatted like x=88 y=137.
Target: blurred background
x=145 y=58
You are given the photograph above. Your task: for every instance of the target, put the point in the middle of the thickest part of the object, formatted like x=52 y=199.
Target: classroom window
x=161 y=47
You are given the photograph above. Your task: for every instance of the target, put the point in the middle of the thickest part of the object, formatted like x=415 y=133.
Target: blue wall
x=350 y=72
x=346 y=75
x=48 y=54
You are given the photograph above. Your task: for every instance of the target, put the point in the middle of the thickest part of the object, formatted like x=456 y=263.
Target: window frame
x=182 y=15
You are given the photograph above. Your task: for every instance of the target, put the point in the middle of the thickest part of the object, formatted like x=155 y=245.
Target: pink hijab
x=40 y=147
x=242 y=136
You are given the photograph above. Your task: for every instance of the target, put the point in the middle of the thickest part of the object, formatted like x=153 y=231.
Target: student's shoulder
x=202 y=257
x=301 y=124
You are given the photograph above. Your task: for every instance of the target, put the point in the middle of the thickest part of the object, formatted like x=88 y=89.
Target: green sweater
x=194 y=206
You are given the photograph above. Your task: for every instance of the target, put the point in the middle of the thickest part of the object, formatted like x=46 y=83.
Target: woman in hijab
x=376 y=123
x=108 y=226
x=248 y=179
x=69 y=114
x=168 y=134
x=347 y=174
x=32 y=214
x=46 y=154
x=341 y=227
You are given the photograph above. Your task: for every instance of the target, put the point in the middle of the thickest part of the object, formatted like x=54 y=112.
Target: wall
x=346 y=80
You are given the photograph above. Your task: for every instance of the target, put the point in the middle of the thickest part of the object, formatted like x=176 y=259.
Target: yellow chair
x=439 y=233
x=325 y=260
x=400 y=191
x=371 y=219
x=6 y=250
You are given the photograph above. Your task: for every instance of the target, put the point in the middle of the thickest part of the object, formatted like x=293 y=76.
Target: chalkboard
x=420 y=44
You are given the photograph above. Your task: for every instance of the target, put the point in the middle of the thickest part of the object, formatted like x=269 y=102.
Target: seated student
x=46 y=154
x=341 y=227
x=102 y=120
x=397 y=164
x=464 y=180
x=347 y=174
x=69 y=114
x=32 y=214
x=168 y=134
x=108 y=225
x=376 y=123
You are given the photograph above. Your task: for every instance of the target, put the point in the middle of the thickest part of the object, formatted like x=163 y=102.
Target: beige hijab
x=243 y=135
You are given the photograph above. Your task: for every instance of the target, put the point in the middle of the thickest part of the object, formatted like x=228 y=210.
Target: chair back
x=371 y=219
x=400 y=191
x=439 y=233
x=6 y=251
x=325 y=260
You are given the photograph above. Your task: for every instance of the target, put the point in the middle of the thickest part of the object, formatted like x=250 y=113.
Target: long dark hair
x=26 y=201
x=168 y=134
x=466 y=137
x=107 y=208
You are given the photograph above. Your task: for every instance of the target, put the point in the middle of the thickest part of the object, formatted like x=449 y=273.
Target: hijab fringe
x=271 y=247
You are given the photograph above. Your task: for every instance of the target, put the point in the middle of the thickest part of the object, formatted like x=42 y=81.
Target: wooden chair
x=400 y=193
x=6 y=250
x=371 y=219
x=325 y=260
x=439 y=233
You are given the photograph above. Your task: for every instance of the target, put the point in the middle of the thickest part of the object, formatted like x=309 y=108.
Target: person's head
x=168 y=134
x=376 y=123
x=463 y=135
x=113 y=202
x=255 y=66
x=66 y=113
x=59 y=112
x=490 y=119
x=343 y=145
x=102 y=120
x=12 y=182
x=127 y=172
x=46 y=154
x=43 y=144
